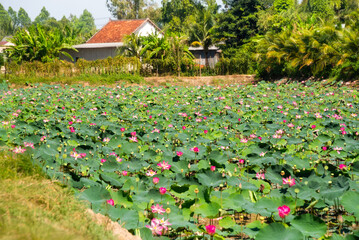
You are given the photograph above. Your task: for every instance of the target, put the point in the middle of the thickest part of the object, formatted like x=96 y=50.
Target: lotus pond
x=261 y=161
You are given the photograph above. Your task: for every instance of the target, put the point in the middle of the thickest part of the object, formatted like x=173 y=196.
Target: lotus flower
x=111 y=202
x=158 y=209
x=155 y=180
x=162 y=190
x=290 y=181
x=283 y=211
x=211 y=229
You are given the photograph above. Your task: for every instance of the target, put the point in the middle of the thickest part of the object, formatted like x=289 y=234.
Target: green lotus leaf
x=277 y=231
x=350 y=202
x=210 y=179
x=227 y=222
x=310 y=225
x=208 y=210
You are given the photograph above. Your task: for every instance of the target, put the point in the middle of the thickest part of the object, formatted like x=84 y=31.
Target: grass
x=34 y=207
x=91 y=79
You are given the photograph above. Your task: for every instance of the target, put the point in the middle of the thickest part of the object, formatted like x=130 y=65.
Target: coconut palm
x=179 y=50
x=202 y=29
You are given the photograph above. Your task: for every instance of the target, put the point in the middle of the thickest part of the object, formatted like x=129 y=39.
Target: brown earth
x=199 y=81
x=119 y=232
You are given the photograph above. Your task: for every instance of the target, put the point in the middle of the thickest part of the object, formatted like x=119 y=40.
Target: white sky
x=59 y=8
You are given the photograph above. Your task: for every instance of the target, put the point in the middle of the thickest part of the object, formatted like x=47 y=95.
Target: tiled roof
x=2 y=43
x=114 y=31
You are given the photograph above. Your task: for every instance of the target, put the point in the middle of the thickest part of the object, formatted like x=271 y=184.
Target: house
x=213 y=55
x=106 y=41
x=4 y=43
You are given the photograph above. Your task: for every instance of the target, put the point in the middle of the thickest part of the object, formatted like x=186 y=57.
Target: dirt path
x=198 y=81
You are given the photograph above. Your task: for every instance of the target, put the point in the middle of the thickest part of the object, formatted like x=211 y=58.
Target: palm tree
x=202 y=29
x=132 y=47
x=179 y=50
x=155 y=47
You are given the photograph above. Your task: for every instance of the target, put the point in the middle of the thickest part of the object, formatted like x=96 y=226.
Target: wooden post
x=200 y=61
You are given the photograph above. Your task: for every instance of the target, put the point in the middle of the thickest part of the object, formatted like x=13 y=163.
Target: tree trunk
x=206 y=56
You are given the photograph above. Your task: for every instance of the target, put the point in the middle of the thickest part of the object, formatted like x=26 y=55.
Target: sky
x=59 y=8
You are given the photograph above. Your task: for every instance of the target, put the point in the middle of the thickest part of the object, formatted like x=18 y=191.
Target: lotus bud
x=168 y=210
x=196 y=191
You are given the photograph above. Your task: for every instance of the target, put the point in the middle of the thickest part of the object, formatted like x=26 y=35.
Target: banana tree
x=37 y=44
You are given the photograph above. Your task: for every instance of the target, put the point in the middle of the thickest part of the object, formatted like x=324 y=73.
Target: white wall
x=147 y=29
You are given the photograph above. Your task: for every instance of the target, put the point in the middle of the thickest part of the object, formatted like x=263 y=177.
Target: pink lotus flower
x=324 y=148
x=205 y=131
x=106 y=140
x=164 y=165
x=211 y=229
x=133 y=134
x=184 y=127
x=239 y=119
x=155 y=180
x=19 y=150
x=158 y=209
x=283 y=211
x=29 y=144
x=155 y=227
x=313 y=126
x=111 y=202
x=124 y=173
x=103 y=160
x=13 y=126
x=164 y=223
x=260 y=175
x=290 y=181
x=342 y=166
x=75 y=155
x=179 y=153
x=133 y=139
x=122 y=129
x=151 y=173
x=162 y=190
x=213 y=168
x=70 y=123
x=195 y=149
x=241 y=161
x=72 y=129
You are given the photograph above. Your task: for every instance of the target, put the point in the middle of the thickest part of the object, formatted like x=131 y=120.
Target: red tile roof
x=114 y=31
x=2 y=43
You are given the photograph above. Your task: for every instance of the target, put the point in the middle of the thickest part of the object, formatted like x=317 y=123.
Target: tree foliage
x=238 y=22
x=23 y=18
x=43 y=16
x=134 y=9
x=38 y=44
